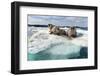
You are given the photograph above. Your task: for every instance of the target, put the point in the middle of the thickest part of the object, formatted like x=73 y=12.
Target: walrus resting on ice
x=56 y=30
x=71 y=32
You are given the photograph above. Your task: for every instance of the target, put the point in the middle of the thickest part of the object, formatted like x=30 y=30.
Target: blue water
x=60 y=52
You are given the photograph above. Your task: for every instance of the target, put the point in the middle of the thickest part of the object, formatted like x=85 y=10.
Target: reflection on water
x=62 y=51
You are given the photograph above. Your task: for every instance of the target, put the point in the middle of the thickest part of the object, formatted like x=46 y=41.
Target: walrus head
x=73 y=31
x=50 y=26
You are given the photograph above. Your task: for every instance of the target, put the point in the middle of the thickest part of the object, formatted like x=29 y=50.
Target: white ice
x=42 y=40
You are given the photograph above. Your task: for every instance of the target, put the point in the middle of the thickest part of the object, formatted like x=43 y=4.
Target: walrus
x=56 y=30
x=71 y=32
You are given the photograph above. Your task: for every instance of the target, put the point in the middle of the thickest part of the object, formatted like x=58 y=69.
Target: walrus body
x=56 y=30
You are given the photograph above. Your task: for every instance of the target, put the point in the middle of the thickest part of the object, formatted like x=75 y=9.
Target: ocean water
x=43 y=46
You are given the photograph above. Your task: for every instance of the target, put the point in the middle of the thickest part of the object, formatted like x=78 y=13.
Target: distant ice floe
x=41 y=40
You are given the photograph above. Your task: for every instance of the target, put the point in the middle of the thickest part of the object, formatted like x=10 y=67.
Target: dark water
x=83 y=53
x=43 y=55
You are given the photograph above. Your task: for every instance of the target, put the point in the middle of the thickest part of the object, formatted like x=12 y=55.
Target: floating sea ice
x=53 y=44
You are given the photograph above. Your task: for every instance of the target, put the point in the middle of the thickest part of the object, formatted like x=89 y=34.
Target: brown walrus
x=71 y=32
x=56 y=30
